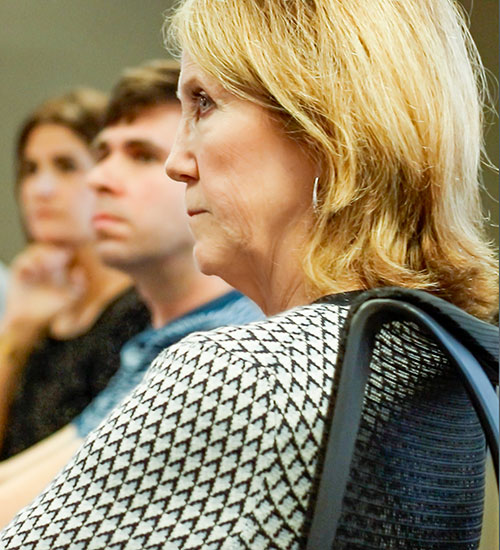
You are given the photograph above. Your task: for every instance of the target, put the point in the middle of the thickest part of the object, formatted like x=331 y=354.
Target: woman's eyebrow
x=180 y=88
x=185 y=85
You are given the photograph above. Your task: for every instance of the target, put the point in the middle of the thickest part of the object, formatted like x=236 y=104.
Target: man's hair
x=150 y=84
x=387 y=97
x=81 y=110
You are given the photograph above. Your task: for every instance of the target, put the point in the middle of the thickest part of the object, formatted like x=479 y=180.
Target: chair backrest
x=413 y=401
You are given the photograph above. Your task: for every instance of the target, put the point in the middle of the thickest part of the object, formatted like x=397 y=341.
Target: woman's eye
x=66 y=164
x=203 y=103
x=27 y=168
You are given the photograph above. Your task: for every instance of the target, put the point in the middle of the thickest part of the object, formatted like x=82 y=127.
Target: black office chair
x=413 y=404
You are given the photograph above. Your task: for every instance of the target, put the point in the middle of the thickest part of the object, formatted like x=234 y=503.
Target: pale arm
x=43 y=450
x=24 y=476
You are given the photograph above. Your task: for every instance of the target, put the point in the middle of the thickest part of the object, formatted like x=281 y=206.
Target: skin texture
x=249 y=191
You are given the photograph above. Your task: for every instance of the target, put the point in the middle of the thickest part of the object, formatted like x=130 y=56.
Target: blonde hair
x=388 y=97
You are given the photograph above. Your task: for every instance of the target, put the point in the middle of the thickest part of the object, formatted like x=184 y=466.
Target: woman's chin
x=211 y=260
x=60 y=238
x=204 y=260
x=41 y=236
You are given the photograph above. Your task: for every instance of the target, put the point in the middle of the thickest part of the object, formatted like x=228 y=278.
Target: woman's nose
x=44 y=184
x=181 y=162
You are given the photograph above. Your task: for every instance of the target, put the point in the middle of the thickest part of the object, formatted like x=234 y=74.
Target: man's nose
x=104 y=177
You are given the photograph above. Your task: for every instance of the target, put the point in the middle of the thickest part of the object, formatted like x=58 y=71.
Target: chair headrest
x=480 y=337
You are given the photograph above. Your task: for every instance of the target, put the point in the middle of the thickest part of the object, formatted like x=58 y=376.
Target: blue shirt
x=137 y=354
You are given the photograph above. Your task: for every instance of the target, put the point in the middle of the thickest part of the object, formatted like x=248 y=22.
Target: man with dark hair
x=142 y=229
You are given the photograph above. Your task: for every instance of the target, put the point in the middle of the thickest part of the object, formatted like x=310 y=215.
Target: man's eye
x=144 y=156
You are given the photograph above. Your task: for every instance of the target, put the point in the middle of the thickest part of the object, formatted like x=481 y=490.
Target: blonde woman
x=326 y=147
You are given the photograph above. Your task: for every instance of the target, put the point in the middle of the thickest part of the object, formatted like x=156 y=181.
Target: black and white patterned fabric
x=215 y=449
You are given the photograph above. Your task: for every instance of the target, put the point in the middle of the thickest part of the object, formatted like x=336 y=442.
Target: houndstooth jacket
x=216 y=449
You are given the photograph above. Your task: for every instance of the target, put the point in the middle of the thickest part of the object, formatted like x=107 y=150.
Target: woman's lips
x=195 y=212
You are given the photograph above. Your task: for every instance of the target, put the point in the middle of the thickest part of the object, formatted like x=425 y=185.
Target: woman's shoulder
x=264 y=340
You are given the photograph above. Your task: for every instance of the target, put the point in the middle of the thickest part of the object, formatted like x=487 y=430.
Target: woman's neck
x=281 y=284
x=284 y=294
x=275 y=284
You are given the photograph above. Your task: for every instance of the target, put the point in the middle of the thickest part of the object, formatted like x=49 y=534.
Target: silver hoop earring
x=315 y=194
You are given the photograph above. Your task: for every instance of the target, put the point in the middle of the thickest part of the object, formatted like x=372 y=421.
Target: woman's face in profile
x=56 y=202
x=249 y=186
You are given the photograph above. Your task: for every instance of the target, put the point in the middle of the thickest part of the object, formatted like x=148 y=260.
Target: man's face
x=140 y=214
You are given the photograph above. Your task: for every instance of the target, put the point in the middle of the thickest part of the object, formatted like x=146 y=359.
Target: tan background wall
x=47 y=46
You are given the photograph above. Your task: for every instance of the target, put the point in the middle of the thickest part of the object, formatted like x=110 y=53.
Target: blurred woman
x=67 y=314
x=327 y=147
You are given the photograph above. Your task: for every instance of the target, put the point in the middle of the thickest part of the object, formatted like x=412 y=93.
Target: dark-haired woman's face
x=56 y=202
